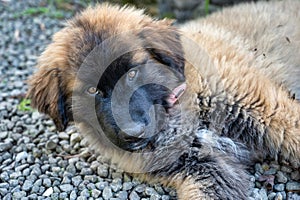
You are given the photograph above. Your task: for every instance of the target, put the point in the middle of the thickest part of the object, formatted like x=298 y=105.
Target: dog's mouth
x=140 y=138
x=131 y=143
x=176 y=93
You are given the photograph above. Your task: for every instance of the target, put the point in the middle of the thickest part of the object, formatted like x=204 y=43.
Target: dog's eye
x=132 y=74
x=93 y=91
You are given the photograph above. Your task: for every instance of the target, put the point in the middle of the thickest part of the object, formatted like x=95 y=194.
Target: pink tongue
x=176 y=93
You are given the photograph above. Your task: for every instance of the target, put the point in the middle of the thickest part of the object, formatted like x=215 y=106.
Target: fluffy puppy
x=182 y=105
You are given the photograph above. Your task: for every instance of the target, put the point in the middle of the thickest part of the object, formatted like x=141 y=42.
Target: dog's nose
x=136 y=130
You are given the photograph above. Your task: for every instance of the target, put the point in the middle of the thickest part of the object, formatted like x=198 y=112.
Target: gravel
x=37 y=162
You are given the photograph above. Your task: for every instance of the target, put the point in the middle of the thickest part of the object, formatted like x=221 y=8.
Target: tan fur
x=235 y=39
x=253 y=48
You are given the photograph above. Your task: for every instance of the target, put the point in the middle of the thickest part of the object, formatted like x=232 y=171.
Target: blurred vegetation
x=151 y=6
x=24 y=105
x=60 y=9
x=206 y=7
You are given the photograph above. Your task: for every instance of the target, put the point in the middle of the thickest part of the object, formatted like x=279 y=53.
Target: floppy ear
x=163 y=42
x=48 y=94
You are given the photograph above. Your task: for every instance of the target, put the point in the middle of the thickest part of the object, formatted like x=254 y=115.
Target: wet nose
x=135 y=130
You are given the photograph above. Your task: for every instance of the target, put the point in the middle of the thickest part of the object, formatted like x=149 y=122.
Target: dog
x=187 y=105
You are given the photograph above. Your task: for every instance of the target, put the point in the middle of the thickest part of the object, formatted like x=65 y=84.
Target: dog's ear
x=163 y=42
x=48 y=94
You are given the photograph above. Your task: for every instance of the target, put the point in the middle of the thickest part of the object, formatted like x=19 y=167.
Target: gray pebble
x=22 y=167
x=90 y=186
x=293 y=196
x=122 y=195
x=35 y=189
x=255 y=193
x=75 y=137
x=73 y=195
x=71 y=169
x=116 y=184
x=293 y=186
x=32 y=178
x=158 y=188
x=165 y=197
x=271 y=171
x=63 y=136
x=3 y=135
x=7 y=197
x=281 y=177
x=4 y=176
x=49 y=192
x=86 y=171
x=66 y=180
x=55 y=195
x=278 y=196
x=42 y=189
x=85 y=193
x=286 y=169
x=19 y=194
x=91 y=178
x=150 y=191
x=63 y=195
x=13 y=182
x=16 y=189
x=15 y=175
x=5 y=146
x=3 y=192
x=26 y=172
x=56 y=189
x=134 y=196
x=101 y=185
x=140 y=188
x=295 y=175
x=81 y=198
x=66 y=187
x=32 y=196
x=30 y=158
x=38 y=182
x=50 y=145
x=76 y=180
x=259 y=168
x=155 y=197
x=283 y=194
x=4 y=185
x=116 y=175
x=27 y=185
x=279 y=187
x=107 y=193
x=96 y=193
x=127 y=186
x=94 y=165
x=81 y=165
x=47 y=182
x=102 y=171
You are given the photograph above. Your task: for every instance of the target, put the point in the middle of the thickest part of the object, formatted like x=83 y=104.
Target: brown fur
x=255 y=66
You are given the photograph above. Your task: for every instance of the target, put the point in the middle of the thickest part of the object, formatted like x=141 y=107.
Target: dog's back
x=270 y=31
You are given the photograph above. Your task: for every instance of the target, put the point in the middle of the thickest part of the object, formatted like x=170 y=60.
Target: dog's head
x=120 y=64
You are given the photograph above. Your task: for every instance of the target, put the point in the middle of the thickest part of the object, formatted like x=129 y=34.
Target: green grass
x=53 y=13
x=24 y=105
x=36 y=11
x=206 y=7
x=54 y=8
x=169 y=15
